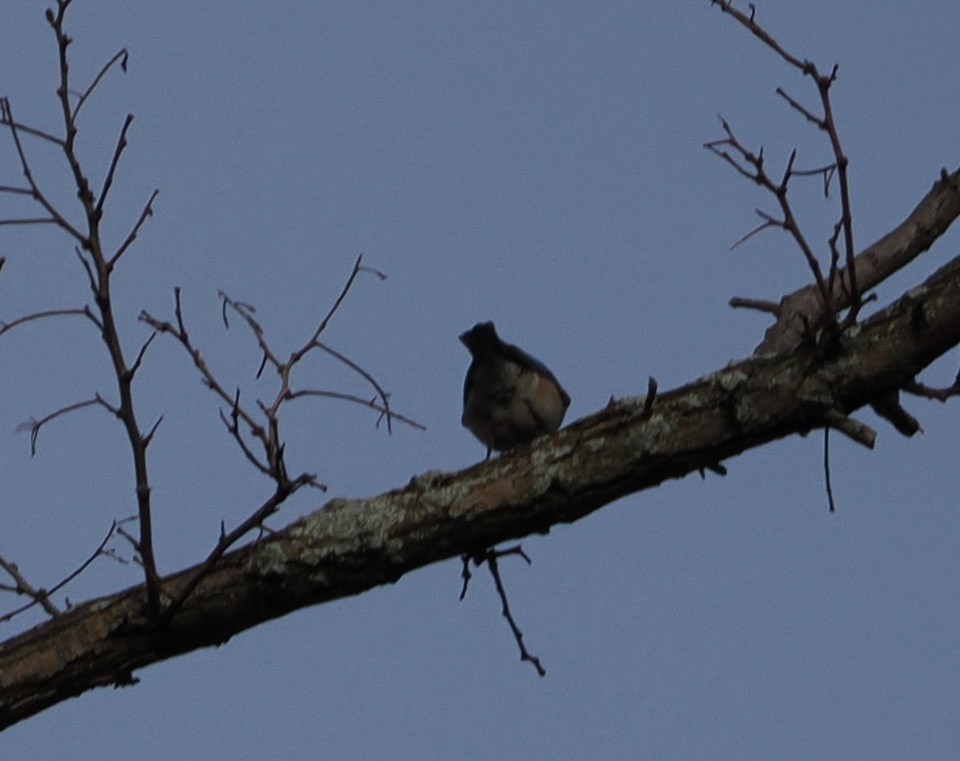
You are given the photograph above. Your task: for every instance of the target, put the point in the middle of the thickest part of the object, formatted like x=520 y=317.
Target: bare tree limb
x=927 y=222
x=349 y=546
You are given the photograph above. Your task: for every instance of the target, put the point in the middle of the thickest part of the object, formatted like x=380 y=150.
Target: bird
x=509 y=397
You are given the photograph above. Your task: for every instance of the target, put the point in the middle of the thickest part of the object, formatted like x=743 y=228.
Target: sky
x=541 y=167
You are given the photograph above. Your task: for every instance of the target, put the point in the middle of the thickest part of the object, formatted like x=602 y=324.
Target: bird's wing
x=520 y=357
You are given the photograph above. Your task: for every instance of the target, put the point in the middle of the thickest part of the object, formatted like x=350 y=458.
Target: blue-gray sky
x=540 y=166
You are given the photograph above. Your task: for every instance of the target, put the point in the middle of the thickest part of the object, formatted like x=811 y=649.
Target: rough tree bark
x=348 y=546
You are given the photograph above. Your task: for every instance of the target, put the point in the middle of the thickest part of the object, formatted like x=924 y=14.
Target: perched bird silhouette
x=509 y=398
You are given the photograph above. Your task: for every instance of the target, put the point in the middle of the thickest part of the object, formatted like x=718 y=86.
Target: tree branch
x=349 y=546
x=927 y=222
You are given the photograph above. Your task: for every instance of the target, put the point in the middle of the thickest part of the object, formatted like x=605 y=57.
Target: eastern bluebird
x=509 y=398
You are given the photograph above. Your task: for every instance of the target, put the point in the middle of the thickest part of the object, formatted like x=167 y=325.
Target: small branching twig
x=41 y=596
x=490 y=557
x=751 y=166
x=246 y=425
x=238 y=412
x=940 y=394
x=53 y=215
x=98 y=267
x=228 y=539
x=267 y=431
x=23 y=587
x=34 y=426
x=845 y=279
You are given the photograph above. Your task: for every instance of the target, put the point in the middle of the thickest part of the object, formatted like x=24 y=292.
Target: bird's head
x=481 y=338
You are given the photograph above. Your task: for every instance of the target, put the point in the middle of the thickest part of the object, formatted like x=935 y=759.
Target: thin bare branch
x=766 y=224
x=122 y=56
x=13 y=190
x=146 y=212
x=246 y=312
x=371 y=403
x=179 y=332
x=827 y=123
x=826 y=469
x=6 y=327
x=23 y=587
x=748 y=21
x=336 y=305
x=99 y=551
x=114 y=162
x=34 y=426
x=87 y=268
x=384 y=396
x=928 y=392
x=6 y=115
x=753 y=169
x=153 y=429
x=143 y=350
x=228 y=539
x=801 y=109
x=491 y=558
x=28 y=130
x=233 y=428
x=29 y=221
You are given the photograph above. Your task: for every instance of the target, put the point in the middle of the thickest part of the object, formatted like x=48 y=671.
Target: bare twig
x=336 y=304
x=826 y=468
x=122 y=56
x=525 y=654
x=34 y=426
x=27 y=129
x=490 y=557
x=114 y=162
x=179 y=332
x=371 y=403
x=146 y=212
x=940 y=394
x=826 y=123
x=23 y=587
x=6 y=116
x=99 y=269
x=6 y=327
x=384 y=396
x=751 y=166
x=98 y=552
x=143 y=350
x=28 y=221
x=228 y=539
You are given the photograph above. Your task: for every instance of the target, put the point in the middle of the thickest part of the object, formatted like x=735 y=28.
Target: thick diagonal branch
x=350 y=546
x=802 y=309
